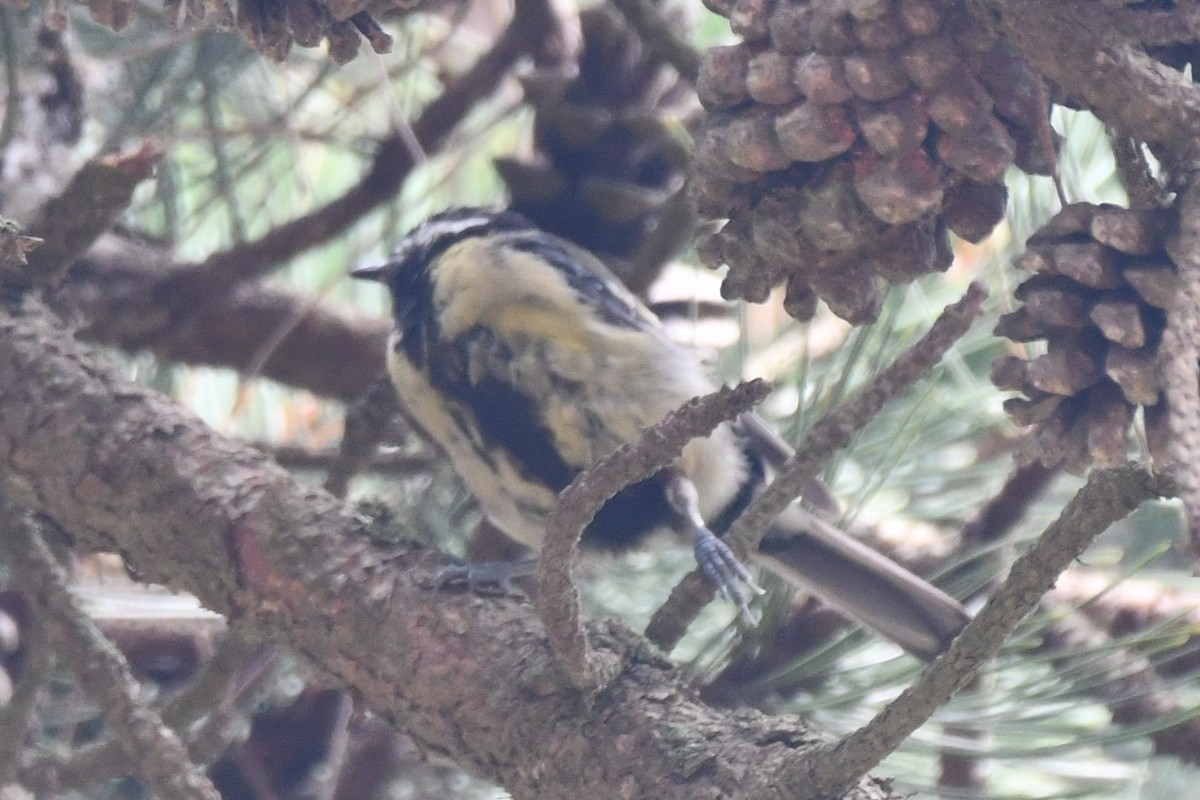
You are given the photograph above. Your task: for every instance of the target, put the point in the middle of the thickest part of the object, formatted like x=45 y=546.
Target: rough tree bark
x=124 y=469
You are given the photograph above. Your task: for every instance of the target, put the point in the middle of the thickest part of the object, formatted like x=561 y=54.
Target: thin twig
x=837 y=428
x=1180 y=354
x=15 y=717
x=1142 y=188
x=210 y=104
x=157 y=753
x=826 y=437
x=672 y=230
x=323 y=784
x=393 y=161
x=962 y=768
x=206 y=698
x=1136 y=605
x=1005 y=509
x=62 y=101
x=270 y=346
x=12 y=82
x=994 y=520
x=259 y=673
x=365 y=421
x=1108 y=496
x=253 y=259
x=296 y=457
x=655 y=449
x=207 y=689
x=1122 y=679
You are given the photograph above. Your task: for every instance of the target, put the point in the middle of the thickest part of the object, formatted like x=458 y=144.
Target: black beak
x=375 y=272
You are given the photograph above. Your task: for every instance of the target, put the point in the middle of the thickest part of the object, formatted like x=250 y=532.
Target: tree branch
x=366 y=418
x=829 y=434
x=124 y=469
x=656 y=32
x=1177 y=26
x=1108 y=496
x=1180 y=360
x=155 y=750
x=17 y=713
x=327 y=352
x=531 y=25
x=71 y=222
x=655 y=449
x=1073 y=43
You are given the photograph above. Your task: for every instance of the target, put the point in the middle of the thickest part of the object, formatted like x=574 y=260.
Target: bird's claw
x=722 y=567
x=486 y=577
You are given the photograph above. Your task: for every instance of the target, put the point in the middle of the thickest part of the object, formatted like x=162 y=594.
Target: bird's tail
x=866 y=585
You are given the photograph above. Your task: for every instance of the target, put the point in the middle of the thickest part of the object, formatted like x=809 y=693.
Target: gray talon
x=486 y=577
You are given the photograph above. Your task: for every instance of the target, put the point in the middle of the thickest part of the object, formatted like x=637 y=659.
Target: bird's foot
x=486 y=577
x=722 y=567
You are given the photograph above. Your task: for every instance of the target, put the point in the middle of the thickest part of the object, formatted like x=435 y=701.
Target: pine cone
x=1103 y=281
x=845 y=138
x=610 y=161
x=272 y=26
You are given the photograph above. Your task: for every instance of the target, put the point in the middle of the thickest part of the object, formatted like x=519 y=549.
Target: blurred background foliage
x=247 y=144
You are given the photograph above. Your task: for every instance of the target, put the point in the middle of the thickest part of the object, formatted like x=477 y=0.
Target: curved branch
x=577 y=505
x=1180 y=359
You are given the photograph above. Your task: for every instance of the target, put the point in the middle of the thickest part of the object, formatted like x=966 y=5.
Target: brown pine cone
x=845 y=139
x=1103 y=281
x=272 y=26
x=609 y=164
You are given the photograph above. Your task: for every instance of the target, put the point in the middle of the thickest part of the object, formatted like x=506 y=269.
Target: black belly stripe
x=756 y=475
x=631 y=515
x=508 y=421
